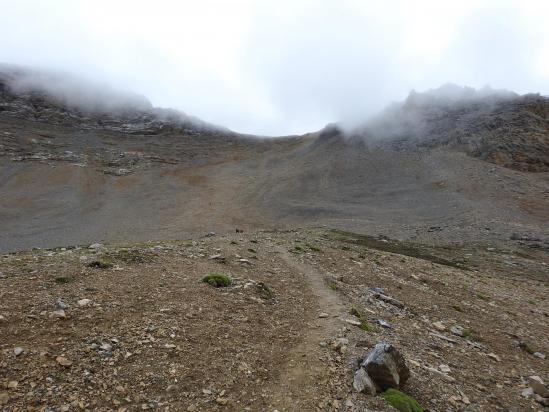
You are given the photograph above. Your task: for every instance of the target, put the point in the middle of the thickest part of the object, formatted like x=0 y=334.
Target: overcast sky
x=282 y=66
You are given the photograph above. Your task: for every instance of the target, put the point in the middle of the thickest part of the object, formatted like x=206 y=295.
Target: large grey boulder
x=386 y=367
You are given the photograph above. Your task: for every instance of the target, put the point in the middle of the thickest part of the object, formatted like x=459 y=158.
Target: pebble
x=4 y=398
x=494 y=357
x=59 y=304
x=59 y=314
x=539 y=355
x=353 y=322
x=383 y=323
x=439 y=326
x=323 y=315
x=2 y=318
x=95 y=246
x=457 y=330
x=61 y=360
x=18 y=351
x=84 y=302
x=12 y=384
x=444 y=368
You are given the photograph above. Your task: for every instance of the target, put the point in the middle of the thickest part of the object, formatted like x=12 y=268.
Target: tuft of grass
x=298 y=248
x=264 y=291
x=457 y=308
x=217 y=280
x=364 y=325
x=134 y=256
x=525 y=346
x=332 y=285
x=61 y=280
x=100 y=264
x=401 y=401
x=467 y=334
x=314 y=248
x=482 y=297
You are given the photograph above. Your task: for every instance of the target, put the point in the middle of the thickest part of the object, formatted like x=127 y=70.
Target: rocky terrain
x=410 y=254
x=134 y=327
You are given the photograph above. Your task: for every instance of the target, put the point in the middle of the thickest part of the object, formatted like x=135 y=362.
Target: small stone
x=4 y=398
x=539 y=355
x=3 y=318
x=494 y=357
x=442 y=375
x=206 y=391
x=12 y=384
x=439 y=326
x=536 y=383
x=444 y=368
x=59 y=304
x=59 y=314
x=107 y=347
x=457 y=330
x=349 y=403
x=61 y=360
x=383 y=323
x=95 y=246
x=527 y=393
x=323 y=315
x=18 y=351
x=221 y=401
x=210 y=234
x=353 y=322
x=84 y=302
x=363 y=383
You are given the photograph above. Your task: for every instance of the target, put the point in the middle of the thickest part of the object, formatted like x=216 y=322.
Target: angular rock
x=363 y=383
x=537 y=385
x=61 y=360
x=457 y=330
x=386 y=366
x=18 y=351
x=59 y=304
x=439 y=326
x=84 y=302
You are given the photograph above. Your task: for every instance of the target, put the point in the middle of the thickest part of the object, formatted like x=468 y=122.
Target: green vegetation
x=265 y=291
x=457 y=308
x=332 y=284
x=525 y=346
x=133 y=256
x=61 y=280
x=482 y=297
x=364 y=325
x=401 y=401
x=100 y=264
x=217 y=280
x=394 y=246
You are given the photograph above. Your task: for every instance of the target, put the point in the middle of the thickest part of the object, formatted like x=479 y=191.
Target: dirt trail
x=300 y=382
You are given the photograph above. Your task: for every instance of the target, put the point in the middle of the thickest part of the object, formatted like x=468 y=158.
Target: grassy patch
x=457 y=308
x=364 y=324
x=392 y=246
x=264 y=291
x=401 y=401
x=101 y=264
x=217 y=280
x=483 y=297
x=133 y=256
x=525 y=346
x=332 y=284
x=61 y=280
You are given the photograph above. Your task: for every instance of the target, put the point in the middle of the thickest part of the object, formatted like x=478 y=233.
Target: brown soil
x=177 y=343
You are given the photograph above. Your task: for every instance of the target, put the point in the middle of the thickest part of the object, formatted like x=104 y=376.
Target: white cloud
x=276 y=67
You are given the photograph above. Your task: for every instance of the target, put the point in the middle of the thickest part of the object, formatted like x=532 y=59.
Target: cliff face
x=506 y=129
